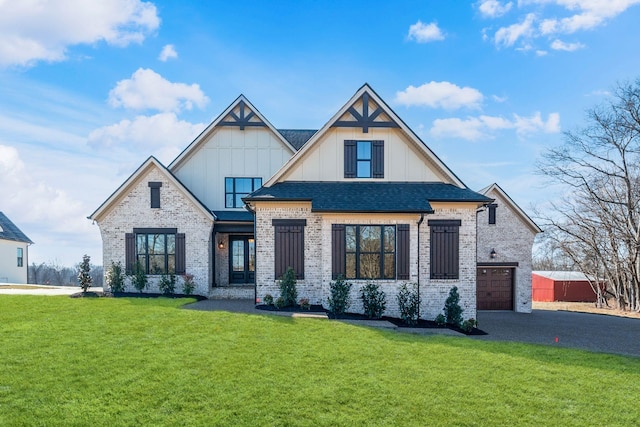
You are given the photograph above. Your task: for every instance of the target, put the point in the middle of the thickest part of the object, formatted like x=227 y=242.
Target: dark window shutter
x=130 y=252
x=445 y=249
x=155 y=194
x=350 y=159
x=492 y=214
x=377 y=159
x=402 y=250
x=181 y=259
x=338 y=256
x=289 y=250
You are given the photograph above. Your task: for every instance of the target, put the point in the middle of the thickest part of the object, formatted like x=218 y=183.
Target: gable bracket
x=365 y=120
x=242 y=121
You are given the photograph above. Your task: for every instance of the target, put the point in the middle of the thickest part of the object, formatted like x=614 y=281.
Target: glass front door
x=242 y=259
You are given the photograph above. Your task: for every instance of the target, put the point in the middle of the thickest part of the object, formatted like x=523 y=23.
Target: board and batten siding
x=402 y=160
x=231 y=152
x=9 y=270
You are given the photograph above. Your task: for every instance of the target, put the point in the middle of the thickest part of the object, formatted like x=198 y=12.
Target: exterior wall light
x=220 y=244
x=493 y=254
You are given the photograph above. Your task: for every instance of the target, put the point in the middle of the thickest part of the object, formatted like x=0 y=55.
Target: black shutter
x=181 y=259
x=492 y=213
x=350 y=159
x=402 y=251
x=289 y=248
x=445 y=249
x=130 y=252
x=377 y=159
x=338 y=256
x=155 y=194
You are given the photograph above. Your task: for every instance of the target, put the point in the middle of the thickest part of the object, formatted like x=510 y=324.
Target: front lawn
x=111 y=361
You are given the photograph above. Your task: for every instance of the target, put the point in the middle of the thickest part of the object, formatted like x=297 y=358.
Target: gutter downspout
x=419 y=223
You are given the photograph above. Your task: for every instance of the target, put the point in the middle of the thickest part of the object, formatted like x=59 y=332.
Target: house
x=14 y=252
x=570 y=286
x=505 y=239
x=363 y=197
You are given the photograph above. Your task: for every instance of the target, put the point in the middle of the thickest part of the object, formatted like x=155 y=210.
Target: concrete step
x=232 y=292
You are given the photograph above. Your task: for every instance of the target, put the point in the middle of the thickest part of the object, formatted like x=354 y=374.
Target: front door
x=242 y=259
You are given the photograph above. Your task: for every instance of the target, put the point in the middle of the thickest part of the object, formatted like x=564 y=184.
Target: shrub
x=339 y=299
x=409 y=303
x=288 y=290
x=304 y=304
x=452 y=309
x=280 y=303
x=139 y=278
x=167 y=284
x=115 y=277
x=469 y=324
x=84 y=273
x=188 y=285
x=373 y=300
x=440 y=320
x=268 y=299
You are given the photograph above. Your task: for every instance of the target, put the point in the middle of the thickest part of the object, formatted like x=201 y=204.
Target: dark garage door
x=494 y=290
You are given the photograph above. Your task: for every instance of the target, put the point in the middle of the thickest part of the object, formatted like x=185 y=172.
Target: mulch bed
x=422 y=324
x=134 y=295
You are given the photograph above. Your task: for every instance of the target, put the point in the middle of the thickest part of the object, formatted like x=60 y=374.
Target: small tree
x=167 y=284
x=188 y=285
x=339 y=299
x=452 y=309
x=115 y=277
x=288 y=290
x=139 y=278
x=84 y=273
x=409 y=303
x=373 y=300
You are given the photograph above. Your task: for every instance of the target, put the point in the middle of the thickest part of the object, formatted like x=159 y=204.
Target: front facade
x=363 y=198
x=14 y=252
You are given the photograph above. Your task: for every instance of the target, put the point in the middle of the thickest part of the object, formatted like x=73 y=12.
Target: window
x=237 y=188
x=492 y=213
x=158 y=251
x=20 y=257
x=363 y=159
x=370 y=251
x=155 y=194
x=289 y=246
x=445 y=248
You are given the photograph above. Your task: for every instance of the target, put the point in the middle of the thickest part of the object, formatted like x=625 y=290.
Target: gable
x=365 y=117
x=10 y=231
x=503 y=201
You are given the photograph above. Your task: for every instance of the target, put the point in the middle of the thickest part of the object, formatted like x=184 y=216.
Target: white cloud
x=440 y=95
x=483 y=127
x=422 y=33
x=493 y=8
x=540 y=52
x=162 y=134
x=507 y=36
x=147 y=89
x=567 y=47
x=168 y=52
x=592 y=13
x=33 y=30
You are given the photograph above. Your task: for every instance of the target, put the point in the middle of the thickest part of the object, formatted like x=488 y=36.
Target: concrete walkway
x=592 y=332
x=12 y=289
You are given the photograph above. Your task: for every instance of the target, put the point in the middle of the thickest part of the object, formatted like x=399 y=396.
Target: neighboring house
x=14 y=252
x=363 y=197
x=563 y=286
x=505 y=241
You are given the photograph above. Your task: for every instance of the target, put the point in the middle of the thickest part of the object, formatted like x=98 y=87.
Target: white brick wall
x=176 y=211
x=317 y=244
x=512 y=241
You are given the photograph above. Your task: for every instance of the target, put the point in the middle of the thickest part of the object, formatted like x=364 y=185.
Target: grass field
x=106 y=361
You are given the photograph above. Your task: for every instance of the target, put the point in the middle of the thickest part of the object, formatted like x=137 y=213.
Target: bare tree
x=597 y=223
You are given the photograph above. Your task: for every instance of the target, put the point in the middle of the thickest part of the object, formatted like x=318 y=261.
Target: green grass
x=105 y=361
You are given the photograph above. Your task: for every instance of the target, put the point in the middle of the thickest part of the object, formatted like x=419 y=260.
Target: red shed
x=561 y=286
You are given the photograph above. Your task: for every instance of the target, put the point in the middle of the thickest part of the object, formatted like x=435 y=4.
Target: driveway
x=9 y=289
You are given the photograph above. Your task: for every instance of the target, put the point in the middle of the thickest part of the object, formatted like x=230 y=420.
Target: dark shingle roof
x=9 y=231
x=297 y=137
x=235 y=216
x=368 y=196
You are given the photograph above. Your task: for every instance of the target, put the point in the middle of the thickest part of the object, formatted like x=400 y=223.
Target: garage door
x=494 y=290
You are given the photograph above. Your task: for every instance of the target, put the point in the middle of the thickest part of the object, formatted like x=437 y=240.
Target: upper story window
x=155 y=194
x=20 y=257
x=363 y=159
x=237 y=188
x=492 y=213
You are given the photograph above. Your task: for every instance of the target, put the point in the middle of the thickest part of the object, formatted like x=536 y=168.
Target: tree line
x=51 y=273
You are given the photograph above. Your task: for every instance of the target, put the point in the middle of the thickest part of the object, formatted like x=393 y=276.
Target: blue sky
x=88 y=90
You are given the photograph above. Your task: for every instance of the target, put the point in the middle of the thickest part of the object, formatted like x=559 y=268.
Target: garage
x=494 y=288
